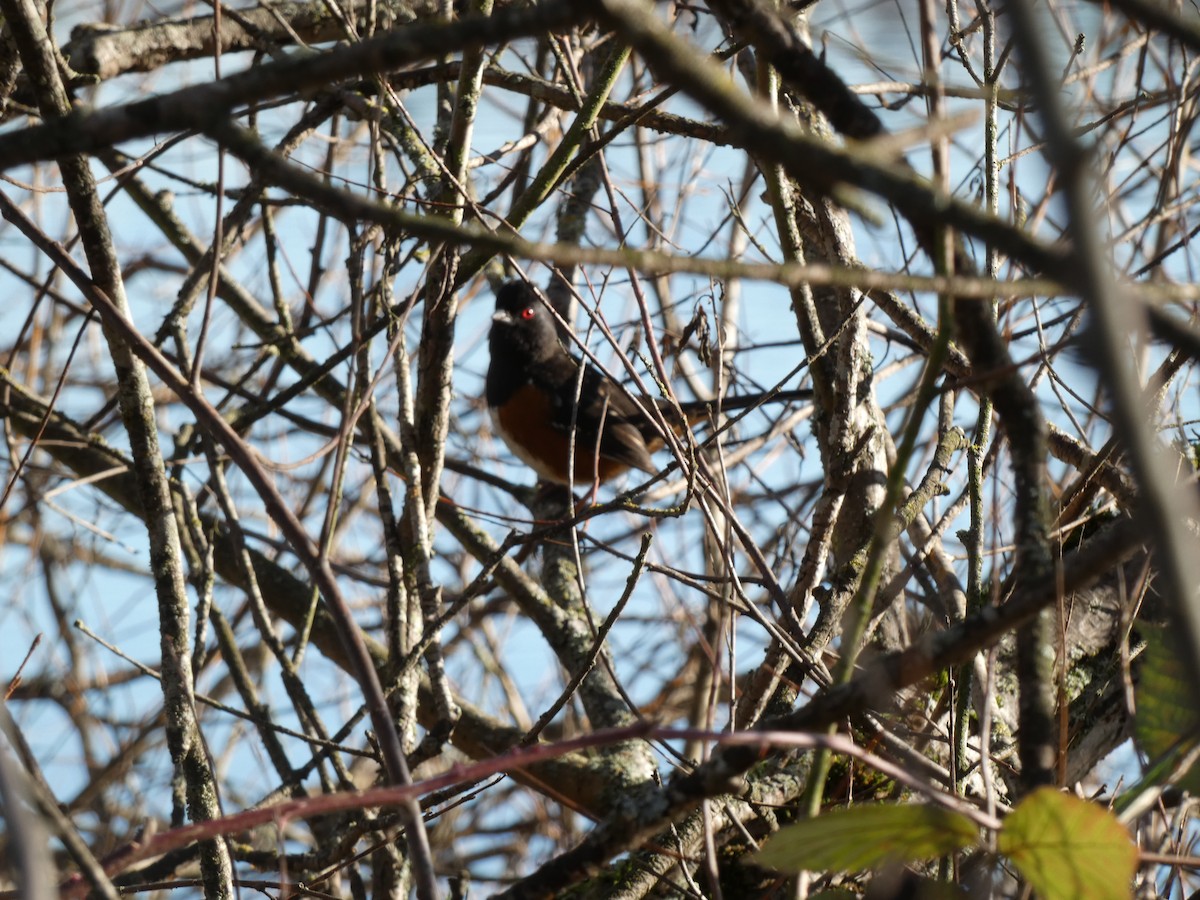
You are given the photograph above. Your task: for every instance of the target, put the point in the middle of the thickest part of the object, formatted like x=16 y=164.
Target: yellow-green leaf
x=1168 y=717
x=863 y=837
x=1067 y=848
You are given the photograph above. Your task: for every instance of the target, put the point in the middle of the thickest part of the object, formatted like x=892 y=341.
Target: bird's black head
x=522 y=326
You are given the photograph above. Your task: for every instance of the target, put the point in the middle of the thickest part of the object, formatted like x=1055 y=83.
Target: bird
x=537 y=398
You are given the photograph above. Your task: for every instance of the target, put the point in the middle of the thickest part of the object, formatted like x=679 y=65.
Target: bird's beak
x=503 y=317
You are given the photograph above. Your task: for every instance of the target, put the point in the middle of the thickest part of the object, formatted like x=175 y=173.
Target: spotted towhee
x=537 y=398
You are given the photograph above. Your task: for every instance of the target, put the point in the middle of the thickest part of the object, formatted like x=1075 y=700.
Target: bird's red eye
x=528 y=313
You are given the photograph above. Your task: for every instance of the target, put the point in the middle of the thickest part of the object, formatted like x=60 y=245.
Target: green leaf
x=863 y=837
x=1067 y=848
x=1168 y=718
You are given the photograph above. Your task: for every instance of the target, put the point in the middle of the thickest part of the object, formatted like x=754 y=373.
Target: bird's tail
x=700 y=410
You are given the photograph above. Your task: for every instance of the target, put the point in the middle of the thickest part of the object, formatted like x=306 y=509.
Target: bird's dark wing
x=606 y=421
